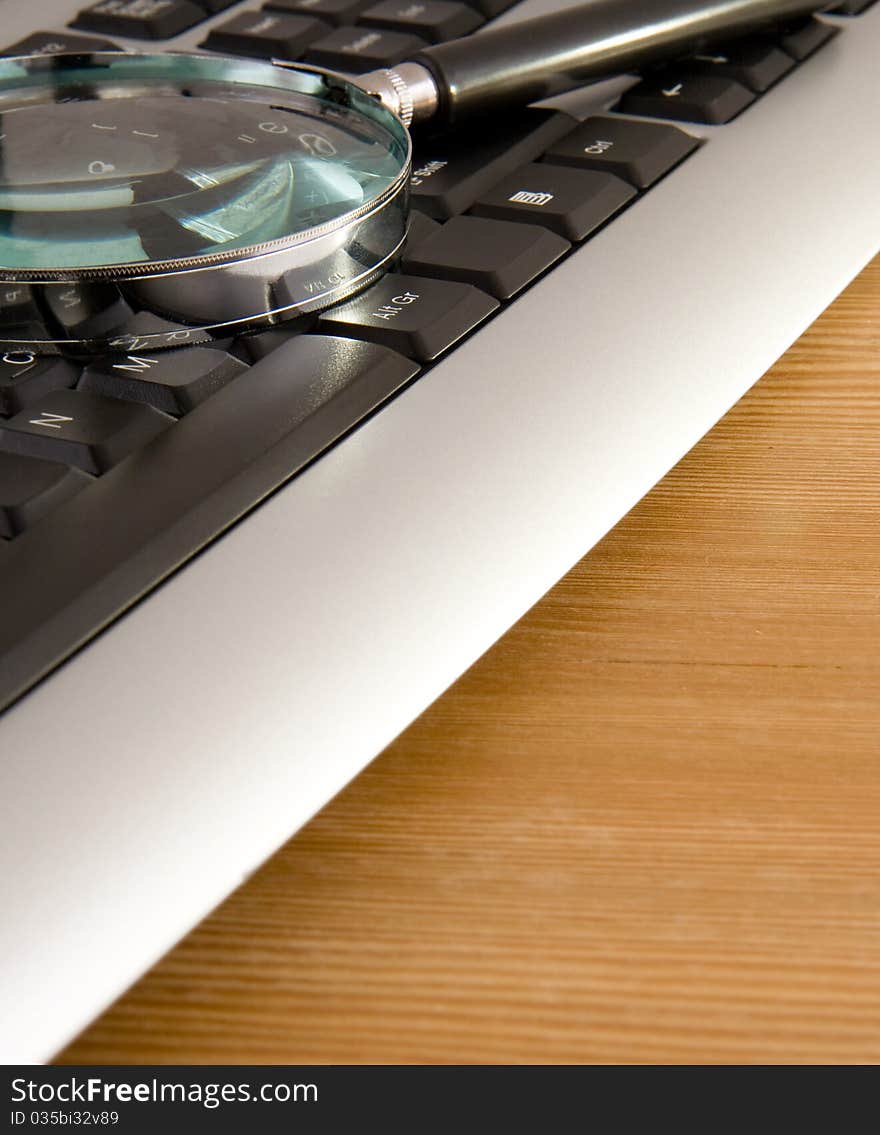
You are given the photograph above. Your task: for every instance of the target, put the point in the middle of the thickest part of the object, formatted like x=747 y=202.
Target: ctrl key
x=418 y=317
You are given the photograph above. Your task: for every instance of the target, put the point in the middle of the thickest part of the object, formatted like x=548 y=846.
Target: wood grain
x=644 y=827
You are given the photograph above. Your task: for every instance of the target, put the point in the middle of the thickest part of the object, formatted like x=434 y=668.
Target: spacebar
x=67 y=578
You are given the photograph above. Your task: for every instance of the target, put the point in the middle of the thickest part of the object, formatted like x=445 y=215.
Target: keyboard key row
x=454 y=273
x=433 y=20
x=323 y=33
x=451 y=172
x=174 y=381
x=711 y=88
x=716 y=86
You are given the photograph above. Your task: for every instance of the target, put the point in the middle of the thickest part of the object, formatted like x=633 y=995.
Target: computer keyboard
x=117 y=471
x=149 y=435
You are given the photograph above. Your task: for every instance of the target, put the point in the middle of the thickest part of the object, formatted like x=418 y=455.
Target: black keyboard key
x=26 y=378
x=140 y=19
x=417 y=317
x=362 y=49
x=139 y=334
x=20 y=316
x=88 y=310
x=57 y=43
x=419 y=228
x=491 y=8
x=639 y=152
x=434 y=20
x=712 y=99
x=756 y=63
x=213 y=7
x=571 y=202
x=451 y=171
x=29 y=489
x=801 y=40
x=105 y=548
x=172 y=381
x=80 y=429
x=17 y=304
x=498 y=256
x=253 y=347
x=334 y=12
x=853 y=7
x=265 y=35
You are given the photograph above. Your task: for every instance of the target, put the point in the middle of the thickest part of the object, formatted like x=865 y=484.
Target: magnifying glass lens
x=116 y=166
x=161 y=199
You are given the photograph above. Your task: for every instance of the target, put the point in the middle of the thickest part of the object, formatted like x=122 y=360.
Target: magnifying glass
x=156 y=200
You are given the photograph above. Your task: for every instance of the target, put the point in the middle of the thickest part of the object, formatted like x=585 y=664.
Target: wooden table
x=644 y=827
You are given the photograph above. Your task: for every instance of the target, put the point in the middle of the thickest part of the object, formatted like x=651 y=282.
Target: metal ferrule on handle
x=523 y=62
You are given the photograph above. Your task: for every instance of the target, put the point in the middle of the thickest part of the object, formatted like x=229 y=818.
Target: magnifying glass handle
x=523 y=62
